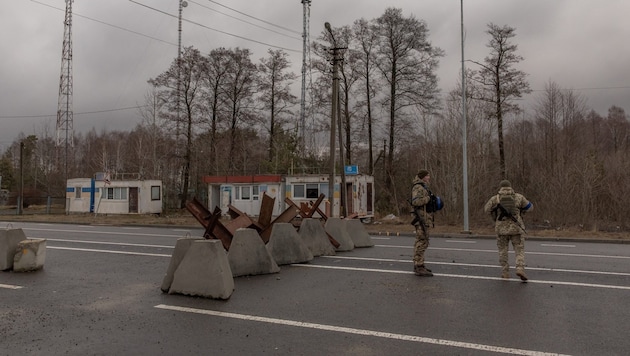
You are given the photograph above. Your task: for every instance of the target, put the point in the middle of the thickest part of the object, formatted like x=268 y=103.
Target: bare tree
x=216 y=76
x=187 y=75
x=275 y=95
x=153 y=124
x=239 y=94
x=407 y=62
x=502 y=82
x=365 y=41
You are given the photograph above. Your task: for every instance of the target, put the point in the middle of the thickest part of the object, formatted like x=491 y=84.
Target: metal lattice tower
x=306 y=4
x=65 y=130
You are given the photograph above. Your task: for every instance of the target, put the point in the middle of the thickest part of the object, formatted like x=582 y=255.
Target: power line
x=255 y=18
x=247 y=22
x=107 y=24
x=216 y=30
x=75 y=114
x=585 y=89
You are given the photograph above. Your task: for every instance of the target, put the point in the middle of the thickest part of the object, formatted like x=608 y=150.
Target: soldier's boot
x=505 y=274
x=521 y=273
x=422 y=271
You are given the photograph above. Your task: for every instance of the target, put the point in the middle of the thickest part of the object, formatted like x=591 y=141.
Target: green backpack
x=508 y=203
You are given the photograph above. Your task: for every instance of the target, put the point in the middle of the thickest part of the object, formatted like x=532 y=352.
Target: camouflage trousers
x=518 y=242
x=421 y=245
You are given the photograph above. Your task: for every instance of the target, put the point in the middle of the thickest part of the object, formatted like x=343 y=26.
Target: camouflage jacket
x=507 y=226
x=419 y=199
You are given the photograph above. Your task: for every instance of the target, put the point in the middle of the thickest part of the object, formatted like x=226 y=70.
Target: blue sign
x=354 y=169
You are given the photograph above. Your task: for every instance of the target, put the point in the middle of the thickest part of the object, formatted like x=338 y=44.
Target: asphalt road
x=99 y=294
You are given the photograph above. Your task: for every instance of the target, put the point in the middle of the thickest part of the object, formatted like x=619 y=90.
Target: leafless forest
x=225 y=113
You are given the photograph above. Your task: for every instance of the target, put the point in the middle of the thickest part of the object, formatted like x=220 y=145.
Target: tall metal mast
x=64 y=107
x=306 y=4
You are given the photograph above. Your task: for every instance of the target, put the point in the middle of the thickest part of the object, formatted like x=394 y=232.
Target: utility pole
x=182 y=5
x=343 y=208
x=21 y=194
x=333 y=117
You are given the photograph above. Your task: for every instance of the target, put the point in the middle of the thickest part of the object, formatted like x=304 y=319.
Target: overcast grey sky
x=118 y=45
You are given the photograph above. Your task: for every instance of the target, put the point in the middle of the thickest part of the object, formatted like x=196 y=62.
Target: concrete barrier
x=181 y=247
x=9 y=240
x=204 y=271
x=358 y=234
x=337 y=229
x=30 y=255
x=249 y=256
x=286 y=246
x=314 y=236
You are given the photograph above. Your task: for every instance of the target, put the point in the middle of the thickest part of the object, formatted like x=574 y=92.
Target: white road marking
x=325 y=257
x=526 y=252
x=556 y=245
x=9 y=286
x=108 y=243
x=354 y=331
x=102 y=232
x=131 y=228
x=461 y=241
x=109 y=251
x=604 y=286
x=477 y=265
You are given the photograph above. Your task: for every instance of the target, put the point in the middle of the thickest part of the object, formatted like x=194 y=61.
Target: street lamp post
x=464 y=129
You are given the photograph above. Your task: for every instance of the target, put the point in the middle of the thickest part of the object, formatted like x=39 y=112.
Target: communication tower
x=64 y=107
x=306 y=4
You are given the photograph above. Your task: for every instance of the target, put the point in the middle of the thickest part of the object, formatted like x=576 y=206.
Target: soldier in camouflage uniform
x=419 y=199
x=509 y=228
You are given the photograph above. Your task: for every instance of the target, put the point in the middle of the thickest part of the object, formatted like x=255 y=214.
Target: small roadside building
x=245 y=193
x=102 y=196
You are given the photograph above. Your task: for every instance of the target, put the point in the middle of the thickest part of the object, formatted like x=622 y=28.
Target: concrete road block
x=249 y=256
x=358 y=234
x=337 y=229
x=286 y=245
x=204 y=271
x=314 y=236
x=30 y=255
x=181 y=247
x=9 y=239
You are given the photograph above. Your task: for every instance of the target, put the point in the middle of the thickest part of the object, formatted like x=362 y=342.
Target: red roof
x=269 y=178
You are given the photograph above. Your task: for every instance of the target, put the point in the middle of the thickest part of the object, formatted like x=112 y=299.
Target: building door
x=370 y=199
x=133 y=199
x=349 y=199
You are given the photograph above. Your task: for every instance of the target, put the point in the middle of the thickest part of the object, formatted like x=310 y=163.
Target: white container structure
x=90 y=195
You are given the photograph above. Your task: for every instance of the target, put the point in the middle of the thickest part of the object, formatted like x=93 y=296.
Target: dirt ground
x=382 y=227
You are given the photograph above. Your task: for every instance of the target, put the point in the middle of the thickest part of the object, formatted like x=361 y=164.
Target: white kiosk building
x=101 y=196
x=245 y=193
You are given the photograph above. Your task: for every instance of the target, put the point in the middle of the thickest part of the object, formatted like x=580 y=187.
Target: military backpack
x=508 y=202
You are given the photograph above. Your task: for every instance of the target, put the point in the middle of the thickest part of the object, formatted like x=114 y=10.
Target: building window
x=115 y=193
x=246 y=193
x=77 y=193
x=255 y=192
x=312 y=191
x=155 y=192
x=323 y=189
x=299 y=191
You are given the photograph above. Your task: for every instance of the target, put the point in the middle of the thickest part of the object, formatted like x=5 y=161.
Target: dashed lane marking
x=9 y=286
